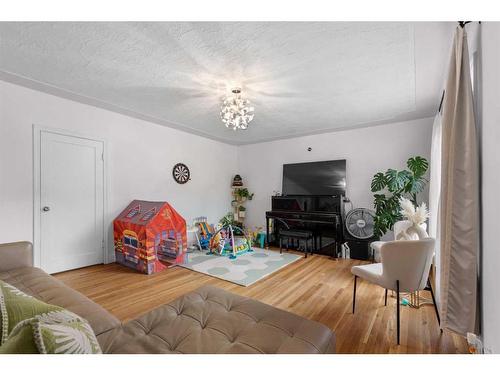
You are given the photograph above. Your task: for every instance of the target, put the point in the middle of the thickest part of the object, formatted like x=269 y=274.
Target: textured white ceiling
x=302 y=78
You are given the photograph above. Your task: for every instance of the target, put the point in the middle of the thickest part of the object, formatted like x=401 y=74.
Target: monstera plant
x=392 y=185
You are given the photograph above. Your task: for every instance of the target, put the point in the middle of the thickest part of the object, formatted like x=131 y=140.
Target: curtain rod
x=463 y=23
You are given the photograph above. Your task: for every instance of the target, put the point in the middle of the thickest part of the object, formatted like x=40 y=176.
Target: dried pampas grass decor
x=417 y=215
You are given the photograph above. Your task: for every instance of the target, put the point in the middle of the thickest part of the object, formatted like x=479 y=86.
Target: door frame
x=37 y=132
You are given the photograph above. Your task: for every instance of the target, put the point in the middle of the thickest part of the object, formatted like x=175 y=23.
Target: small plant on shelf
x=241 y=211
x=244 y=193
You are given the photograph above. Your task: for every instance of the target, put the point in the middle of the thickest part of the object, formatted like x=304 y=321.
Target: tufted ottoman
x=211 y=320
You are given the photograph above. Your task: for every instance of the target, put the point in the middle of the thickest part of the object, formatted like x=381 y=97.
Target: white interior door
x=71 y=202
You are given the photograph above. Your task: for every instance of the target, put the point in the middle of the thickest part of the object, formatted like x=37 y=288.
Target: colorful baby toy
x=231 y=241
x=206 y=231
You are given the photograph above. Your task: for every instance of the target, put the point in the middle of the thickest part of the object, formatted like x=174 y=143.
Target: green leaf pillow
x=28 y=325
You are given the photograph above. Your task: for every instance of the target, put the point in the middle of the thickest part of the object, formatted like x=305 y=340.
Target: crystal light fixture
x=236 y=112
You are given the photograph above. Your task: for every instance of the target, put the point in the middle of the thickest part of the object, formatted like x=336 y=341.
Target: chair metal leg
x=385 y=299
x=281 y=245
x=354 y=294
x=305 y=249
x=434 y=302
x=397 y=309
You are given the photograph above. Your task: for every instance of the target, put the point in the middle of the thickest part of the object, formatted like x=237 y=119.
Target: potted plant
x=241 y=211
x=244 y=194
x=416 y=216
x=392 y=185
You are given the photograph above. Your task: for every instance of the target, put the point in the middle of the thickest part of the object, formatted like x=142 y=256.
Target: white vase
x=413 y=232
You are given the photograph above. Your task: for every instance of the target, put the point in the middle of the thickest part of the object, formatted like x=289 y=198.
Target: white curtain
x=434 y=199
x=458 y=211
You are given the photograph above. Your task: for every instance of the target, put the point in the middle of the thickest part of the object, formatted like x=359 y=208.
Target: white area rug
x=245 y=270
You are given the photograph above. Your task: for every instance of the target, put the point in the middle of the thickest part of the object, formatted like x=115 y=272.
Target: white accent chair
x=404 y=267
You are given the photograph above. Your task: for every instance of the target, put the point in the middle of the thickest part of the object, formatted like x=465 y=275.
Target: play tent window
x=130 y=241
x=148 y=215
x=134 y=211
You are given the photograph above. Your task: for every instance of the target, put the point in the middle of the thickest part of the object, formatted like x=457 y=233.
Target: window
x=130 y=241
x=134 y=211
x=148 y=215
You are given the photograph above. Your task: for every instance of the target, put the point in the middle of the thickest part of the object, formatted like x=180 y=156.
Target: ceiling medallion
x=236 y=111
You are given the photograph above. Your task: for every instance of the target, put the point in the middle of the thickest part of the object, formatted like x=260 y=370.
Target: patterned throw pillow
x=32 y=326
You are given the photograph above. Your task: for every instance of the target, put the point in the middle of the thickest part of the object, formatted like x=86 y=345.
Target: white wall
x=490 y=141
x=141 y=156
x=367 y=151
x=140 y=160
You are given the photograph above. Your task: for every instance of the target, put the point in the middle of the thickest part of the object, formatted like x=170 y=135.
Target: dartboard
x=181 y=173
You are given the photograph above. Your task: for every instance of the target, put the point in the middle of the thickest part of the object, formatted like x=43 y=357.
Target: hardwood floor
x=318 y=288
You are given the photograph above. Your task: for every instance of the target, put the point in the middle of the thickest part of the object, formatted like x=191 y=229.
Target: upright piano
x=320 y=214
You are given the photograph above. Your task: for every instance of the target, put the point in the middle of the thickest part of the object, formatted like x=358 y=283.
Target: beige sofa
x=207 y=320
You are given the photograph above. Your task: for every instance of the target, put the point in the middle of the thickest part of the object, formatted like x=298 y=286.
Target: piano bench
x=299 y=235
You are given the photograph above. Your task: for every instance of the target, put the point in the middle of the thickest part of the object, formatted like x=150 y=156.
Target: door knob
x=46 y=208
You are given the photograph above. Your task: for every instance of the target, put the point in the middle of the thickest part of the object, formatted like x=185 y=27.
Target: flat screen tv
x=316 y=178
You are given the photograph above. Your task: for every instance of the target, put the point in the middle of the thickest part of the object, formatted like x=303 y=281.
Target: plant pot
x=413 y=232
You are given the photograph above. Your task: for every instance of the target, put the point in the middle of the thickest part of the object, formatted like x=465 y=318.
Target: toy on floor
x=206 y=231
x=149 y=236
x=230 y=240
x=258 y=237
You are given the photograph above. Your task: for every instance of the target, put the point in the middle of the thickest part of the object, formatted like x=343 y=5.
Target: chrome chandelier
x=236 y=112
